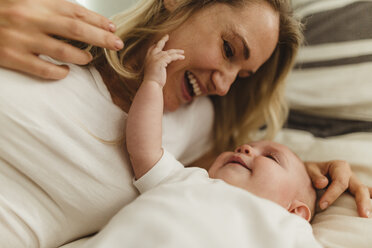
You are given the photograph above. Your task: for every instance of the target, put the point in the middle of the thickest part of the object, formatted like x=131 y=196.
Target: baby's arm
x=144 y=123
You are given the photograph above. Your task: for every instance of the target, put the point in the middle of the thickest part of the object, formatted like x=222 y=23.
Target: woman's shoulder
x=13 y=83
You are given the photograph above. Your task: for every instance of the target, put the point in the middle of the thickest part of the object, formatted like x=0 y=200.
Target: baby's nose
x=246 y=149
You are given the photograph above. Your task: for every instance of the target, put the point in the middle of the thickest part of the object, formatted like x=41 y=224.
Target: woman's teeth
x=194 y=84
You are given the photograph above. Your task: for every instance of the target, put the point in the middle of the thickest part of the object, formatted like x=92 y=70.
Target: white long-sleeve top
x=64 y=171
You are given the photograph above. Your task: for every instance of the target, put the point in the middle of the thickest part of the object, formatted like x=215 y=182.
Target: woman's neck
x=115 y=84
x=122 y=90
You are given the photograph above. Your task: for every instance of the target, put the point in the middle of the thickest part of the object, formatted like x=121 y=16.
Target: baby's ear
x=301 y=209
x=170 y=5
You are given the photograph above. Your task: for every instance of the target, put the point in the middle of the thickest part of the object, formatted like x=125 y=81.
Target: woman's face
x=220 y=43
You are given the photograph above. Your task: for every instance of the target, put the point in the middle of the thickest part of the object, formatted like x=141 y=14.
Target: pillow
x=331 y=79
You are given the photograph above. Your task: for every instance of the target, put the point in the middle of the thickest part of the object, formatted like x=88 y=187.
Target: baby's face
x=266 y=169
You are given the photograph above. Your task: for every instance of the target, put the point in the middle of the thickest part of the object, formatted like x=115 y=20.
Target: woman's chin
x=171 y=107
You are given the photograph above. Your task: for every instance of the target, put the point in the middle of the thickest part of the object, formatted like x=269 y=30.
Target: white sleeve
x=166 y=166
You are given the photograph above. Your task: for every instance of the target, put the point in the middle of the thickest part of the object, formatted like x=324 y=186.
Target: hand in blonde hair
x=337 y=177
x=26 y=28
x=157 y=60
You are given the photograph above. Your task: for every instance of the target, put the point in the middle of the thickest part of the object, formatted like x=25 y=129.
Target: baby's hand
x=157 y=60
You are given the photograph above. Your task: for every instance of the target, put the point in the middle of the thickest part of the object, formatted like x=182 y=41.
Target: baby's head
x=268 y=170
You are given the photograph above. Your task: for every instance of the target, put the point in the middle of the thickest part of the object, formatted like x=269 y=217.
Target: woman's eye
x=227 y=49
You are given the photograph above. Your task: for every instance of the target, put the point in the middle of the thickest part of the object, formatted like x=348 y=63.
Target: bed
x=330 y=96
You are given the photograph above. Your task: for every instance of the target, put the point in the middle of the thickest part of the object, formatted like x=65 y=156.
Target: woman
x=60 y=145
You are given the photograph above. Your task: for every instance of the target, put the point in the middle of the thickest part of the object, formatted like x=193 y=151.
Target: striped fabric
x=332 y=78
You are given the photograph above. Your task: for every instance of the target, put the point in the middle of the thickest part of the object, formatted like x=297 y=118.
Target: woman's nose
x=246 y=149
x=223 y=81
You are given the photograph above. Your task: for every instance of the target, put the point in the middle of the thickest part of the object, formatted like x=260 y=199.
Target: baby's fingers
x=158 y=47
x=160 y=44
x=173 y=55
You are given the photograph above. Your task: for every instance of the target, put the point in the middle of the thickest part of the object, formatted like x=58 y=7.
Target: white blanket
x=203 y=214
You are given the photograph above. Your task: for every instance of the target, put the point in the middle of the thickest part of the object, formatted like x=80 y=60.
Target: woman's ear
x=301 y=209
x=170 y=5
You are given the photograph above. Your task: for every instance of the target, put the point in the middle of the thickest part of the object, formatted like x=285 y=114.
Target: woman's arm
x=144 y=123
x=26 y=29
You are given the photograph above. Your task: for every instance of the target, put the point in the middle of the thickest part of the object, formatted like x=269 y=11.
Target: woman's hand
x=157 y=60
x=341 y=178
x=26 y=27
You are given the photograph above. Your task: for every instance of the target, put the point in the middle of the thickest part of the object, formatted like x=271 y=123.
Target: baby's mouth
x=192 y=86
x=239 y=161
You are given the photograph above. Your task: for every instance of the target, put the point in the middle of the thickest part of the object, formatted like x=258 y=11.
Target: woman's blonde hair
x=251 y=104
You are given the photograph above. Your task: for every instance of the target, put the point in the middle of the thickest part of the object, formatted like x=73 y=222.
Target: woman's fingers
x=337 y=171
x=23 y=55
x=42 y=18
x=319 y=180
x=60 y=51
x=33 y=65
x=20 y=56
x=362 y=195
x=78 y=30
x=79 y=12
x=340 y=173
x=363 y=202
x=341 y=178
